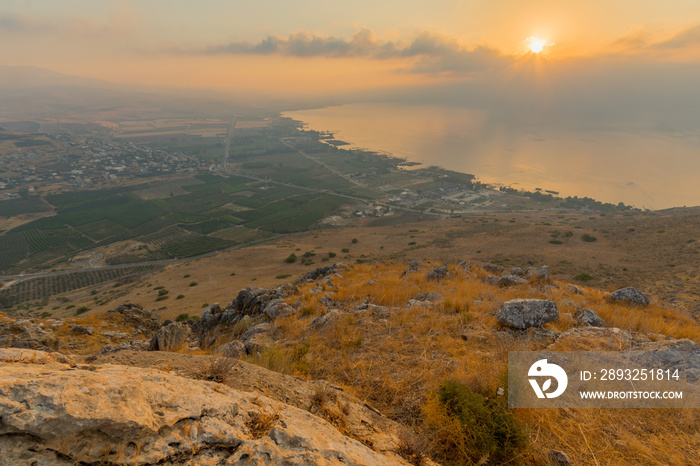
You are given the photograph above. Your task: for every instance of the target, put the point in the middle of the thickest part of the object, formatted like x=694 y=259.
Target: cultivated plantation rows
x=39 y=288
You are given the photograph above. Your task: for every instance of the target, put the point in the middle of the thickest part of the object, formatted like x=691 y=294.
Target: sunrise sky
x=307 y=46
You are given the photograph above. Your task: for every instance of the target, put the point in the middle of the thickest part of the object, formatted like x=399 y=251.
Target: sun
x=536 y=44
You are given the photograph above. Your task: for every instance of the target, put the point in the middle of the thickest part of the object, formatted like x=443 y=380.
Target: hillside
x=391 y=341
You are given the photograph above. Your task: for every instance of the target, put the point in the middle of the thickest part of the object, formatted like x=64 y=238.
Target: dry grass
x=216 y=369
x=396 y=359
x=259 y=423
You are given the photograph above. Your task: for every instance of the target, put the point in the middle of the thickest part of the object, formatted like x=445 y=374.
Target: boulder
x=492 y=268
x=590 y=318
x=573 y=289
x=559 y=458
x=525 y=313
x=438 y=273
x=323 y=320
x=517 y=271
x=137 y=317
x=277 y=307
x=82 y=330
x=509 y=280
x=490 y=280
x=412 y=267
x=628 y=295
x=118 y=415
x=233 y=349
x=315 y=274
x=538 y=274
x=171 y=337
x=429 y=297
x=24 y=334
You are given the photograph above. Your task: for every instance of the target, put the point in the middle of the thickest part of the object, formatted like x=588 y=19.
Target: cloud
x=305 y=44
x=642 y=41
x=686 y=38
x=24 y=24
x=433 y=52
x=119 y=24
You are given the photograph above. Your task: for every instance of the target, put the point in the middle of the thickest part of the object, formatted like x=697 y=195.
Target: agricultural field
x=177 y=226
x=41 y=288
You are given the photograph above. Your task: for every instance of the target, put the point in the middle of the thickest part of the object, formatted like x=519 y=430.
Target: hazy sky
x=304 y=46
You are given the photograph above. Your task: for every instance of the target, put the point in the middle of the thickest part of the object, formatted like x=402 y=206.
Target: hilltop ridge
x=366 y=348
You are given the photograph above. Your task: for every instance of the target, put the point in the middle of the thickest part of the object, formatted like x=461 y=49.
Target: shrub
x=291 y=258
x=309 y=254
x=180 y=296
x=556 y=234
x=346 y=250
x=331 y=254
x=588 y=238
x=412 y=243
x=45 y=314
x=583 y=276
x=81 y=310
x=556 y=241
x=217 y=369
x=187 y=275
x=162 y=292
x=568 y=234
x=468 y=428
x=194 y=284
x=283 y=275
x=354 y=240
x=162 y=297
x=182 y=317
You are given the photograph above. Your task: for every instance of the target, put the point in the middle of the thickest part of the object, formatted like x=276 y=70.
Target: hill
x=392 y=342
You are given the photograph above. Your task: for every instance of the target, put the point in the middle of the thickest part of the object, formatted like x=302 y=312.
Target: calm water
x=653 y=171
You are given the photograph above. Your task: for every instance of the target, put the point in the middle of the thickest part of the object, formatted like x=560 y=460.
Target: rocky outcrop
x=413 y=267
x=126 y=415
x=628 y=295
x=233 y=349
x=320 y=272
x=256 y=303
x=27 y=334
x=492 y=268
x=172 y=337
x=538 y=274
x=137 y=317
x=590 y=318
x=509 y=280
x=438 y=273
x=525 y=313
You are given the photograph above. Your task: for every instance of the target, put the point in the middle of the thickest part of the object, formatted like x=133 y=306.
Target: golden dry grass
x=396 y=358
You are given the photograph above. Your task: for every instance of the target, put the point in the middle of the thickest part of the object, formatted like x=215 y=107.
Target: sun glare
x=536 y=45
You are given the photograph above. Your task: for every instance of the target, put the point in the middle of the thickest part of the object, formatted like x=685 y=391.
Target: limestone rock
x=277 y=307
x=490 y=280
x=132 y=345
x=524 y=313
x=517 y=271
x=589 y=317
x=171 y=337
x=438 y=273
x=573 y=289
x=509 y=280
x=315 y=274
x=559 y=458
x=413 y=266
x=492 y=268
x=540 y=274
x=127 y=415
x=233 y=349
x=136 y=316
x=628 y=295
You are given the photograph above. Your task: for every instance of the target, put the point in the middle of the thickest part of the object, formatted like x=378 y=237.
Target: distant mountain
x=22 y=77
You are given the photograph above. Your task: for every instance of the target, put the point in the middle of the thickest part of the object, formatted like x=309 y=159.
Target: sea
x=644 y=169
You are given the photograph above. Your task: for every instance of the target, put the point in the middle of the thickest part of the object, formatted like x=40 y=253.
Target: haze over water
x=643 y=169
